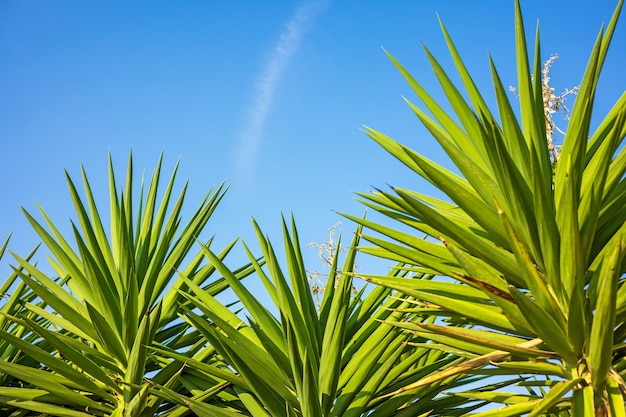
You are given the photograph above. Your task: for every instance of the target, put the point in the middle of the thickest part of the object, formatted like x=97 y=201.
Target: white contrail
x=268 y=82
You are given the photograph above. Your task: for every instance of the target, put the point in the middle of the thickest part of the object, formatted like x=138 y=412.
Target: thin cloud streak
x=288 y=44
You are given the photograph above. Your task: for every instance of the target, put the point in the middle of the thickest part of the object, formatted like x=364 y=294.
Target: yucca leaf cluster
x=534 y=242
x=505 y=298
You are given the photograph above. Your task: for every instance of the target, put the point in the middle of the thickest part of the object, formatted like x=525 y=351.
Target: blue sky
x=269 y=97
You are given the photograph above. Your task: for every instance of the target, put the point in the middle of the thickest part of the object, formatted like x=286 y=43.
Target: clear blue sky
x=267 y=96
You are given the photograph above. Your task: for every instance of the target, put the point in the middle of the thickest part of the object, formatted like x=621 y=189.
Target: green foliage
x=79 y=338
x=343 y=361
x=537 y=260
x=130 y=325
x=518 y=276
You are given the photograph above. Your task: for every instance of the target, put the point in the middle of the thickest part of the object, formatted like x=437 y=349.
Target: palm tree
x=528 y=250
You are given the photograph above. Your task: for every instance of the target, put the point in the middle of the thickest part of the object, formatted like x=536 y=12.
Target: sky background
x=269 y=97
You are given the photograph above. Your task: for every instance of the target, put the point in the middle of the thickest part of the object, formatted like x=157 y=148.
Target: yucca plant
x=528 y=250
x=75 y=342
x=13 y=295
x=341 y=360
